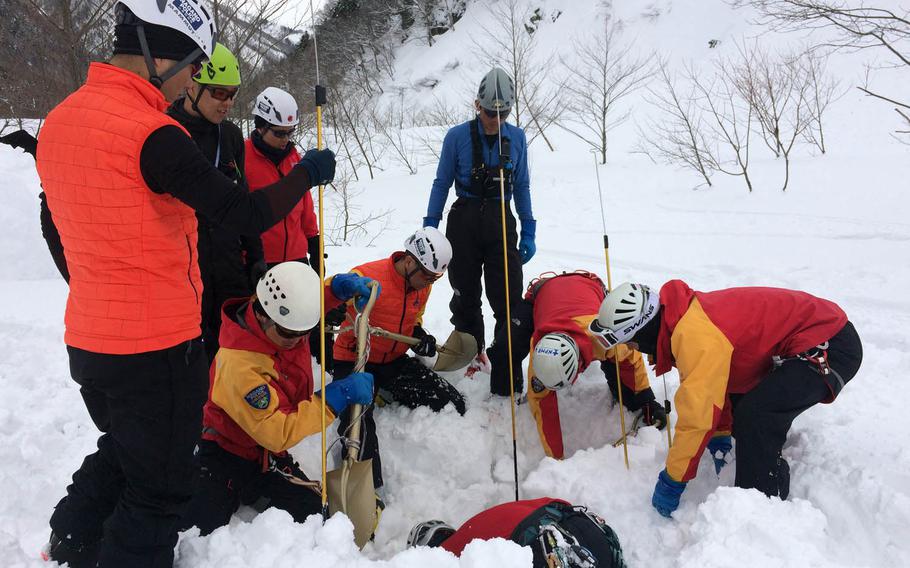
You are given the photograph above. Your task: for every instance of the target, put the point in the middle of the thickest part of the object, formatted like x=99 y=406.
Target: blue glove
x=346 y=286
x=319 y=166
x=667 y=493
x=356 y=388
x=431 y=222
x=719 y=447
x=526 y=246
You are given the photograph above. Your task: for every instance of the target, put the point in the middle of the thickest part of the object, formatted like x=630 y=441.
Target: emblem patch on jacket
x=259 y=397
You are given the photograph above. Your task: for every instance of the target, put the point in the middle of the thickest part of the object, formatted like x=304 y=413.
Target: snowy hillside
x=840 y=232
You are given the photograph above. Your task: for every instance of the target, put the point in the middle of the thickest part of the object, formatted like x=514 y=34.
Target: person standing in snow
x=229 y=262
x=270 y=155
x=123 y=182
x=551 y=322
x=558 y=533
x=470 y=158
x=261 y=400
x=406 y=278
x=752 y=357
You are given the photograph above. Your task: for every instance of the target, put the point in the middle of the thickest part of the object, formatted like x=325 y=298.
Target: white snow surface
x=839 y=232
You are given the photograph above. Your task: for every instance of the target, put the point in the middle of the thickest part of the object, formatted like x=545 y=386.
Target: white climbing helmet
x=277 y=107
x=496 y=91
x=555 y=361
x=429 y=246
x=289 y=293
x=623 y=312
x=189 y=17
x=429 y=533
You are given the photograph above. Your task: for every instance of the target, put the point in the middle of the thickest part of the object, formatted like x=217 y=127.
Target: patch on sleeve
x=537 y=385
x=259 y=397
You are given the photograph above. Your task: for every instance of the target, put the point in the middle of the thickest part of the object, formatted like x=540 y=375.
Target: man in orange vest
x=123 y=183
x=760 y=355
x=406 y=279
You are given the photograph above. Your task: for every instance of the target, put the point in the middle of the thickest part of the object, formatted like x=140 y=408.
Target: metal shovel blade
x=350 y=490
x=459 y=350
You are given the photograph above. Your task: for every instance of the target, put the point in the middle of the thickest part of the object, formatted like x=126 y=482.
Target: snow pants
x=405 y=381
x=128 y=497
x=227 y=480
x=762 y=417
x=474 y=228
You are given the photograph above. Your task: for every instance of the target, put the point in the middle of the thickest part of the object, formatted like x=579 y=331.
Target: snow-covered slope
x=838 y=232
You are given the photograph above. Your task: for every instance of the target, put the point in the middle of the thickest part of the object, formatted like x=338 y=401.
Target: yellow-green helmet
x=221 y=69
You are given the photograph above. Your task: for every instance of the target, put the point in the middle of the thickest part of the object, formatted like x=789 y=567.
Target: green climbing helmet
x=221 y=69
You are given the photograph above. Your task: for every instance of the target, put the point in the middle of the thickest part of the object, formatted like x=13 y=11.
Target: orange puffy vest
x=396 y=310
x=287 y=239
x=131 y=253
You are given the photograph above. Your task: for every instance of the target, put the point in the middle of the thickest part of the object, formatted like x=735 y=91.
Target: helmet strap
x=195 y=101
x=154 y=79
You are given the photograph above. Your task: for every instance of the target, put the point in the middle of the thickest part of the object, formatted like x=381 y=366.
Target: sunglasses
x=604 y=336
x=221 y=93
x=289 y=333
x=502 y=114
x=195 y=67
x=282 y=133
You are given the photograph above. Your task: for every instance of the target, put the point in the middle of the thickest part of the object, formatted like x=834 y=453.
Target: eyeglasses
x=502 y=114
x=282 y=133
x=429 y=276
x=221 y=93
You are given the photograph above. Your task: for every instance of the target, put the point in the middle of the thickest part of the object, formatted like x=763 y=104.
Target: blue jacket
x=455 y=162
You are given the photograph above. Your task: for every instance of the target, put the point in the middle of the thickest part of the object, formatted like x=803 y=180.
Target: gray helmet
x=497 y=90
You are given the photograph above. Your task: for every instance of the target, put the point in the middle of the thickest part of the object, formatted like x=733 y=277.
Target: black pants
x=405 y=381
x=132 y=492
x=226 y=481
x=474 y=228
x=763 y=416
x=522 y=331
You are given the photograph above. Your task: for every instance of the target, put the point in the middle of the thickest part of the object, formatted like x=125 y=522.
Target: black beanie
x=163 y=42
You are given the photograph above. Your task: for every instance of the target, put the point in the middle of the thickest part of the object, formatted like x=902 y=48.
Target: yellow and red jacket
x=398 y=309
x=134 y=274
x=260 y=397
x=287 y=239
x=567 y=304
x=722 y=343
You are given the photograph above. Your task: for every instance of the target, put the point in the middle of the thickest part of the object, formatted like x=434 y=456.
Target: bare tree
x=389 y=122
x=732 y=122
x=854 y=27
x=678 y=135
x=509 y=42
x=603 y=75
x=348 y=224
x=822 y=91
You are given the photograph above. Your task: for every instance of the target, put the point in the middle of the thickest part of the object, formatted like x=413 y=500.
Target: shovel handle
x=407 y=339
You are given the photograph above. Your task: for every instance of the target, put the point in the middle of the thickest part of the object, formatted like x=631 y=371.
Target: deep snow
x=838 y=232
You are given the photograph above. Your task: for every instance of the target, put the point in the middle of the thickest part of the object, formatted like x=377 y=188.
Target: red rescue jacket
x=287 y=239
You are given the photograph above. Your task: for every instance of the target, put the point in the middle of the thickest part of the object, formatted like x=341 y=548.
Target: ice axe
x=350 y=487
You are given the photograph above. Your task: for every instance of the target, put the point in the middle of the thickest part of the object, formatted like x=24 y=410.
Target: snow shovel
x=350 y=487
x=458 y=350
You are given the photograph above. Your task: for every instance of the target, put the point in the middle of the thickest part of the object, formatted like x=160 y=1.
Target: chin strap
x=154 y=77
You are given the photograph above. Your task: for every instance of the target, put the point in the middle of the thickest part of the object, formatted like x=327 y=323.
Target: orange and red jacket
x=496 y=522
x=722 y=343
x=260 y=397
x=287 y=239
x=134 y=277
x=399 y=309
x=567 y=304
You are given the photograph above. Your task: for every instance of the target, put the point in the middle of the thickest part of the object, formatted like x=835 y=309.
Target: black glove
x=653 y=414
x=319 y=166
x=21 y=139
x=255 y=272
x=427 y=345
x=312 y=250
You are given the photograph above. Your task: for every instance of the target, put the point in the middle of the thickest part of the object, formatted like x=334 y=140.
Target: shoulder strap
x=476 y=145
